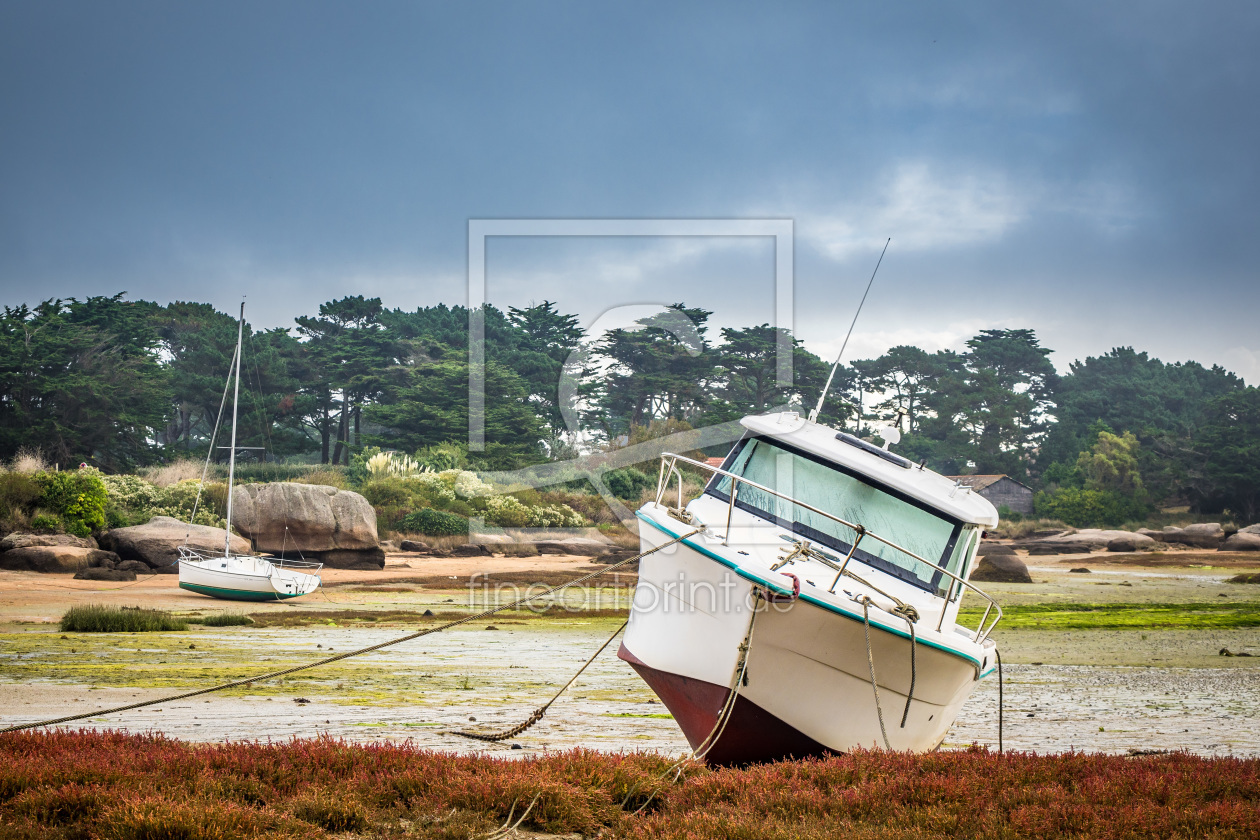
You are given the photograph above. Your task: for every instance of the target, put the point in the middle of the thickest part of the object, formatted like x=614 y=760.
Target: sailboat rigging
x=242 y=577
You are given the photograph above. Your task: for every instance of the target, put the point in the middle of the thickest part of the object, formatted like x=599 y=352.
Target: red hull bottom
x=752 y=734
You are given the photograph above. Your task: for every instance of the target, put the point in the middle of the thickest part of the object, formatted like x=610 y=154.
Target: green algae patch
x=437 y=669
x=361 y=617
x=1116 y=616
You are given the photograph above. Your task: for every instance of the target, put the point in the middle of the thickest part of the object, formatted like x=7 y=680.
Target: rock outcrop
x=1042 y=548
x=56 y=559
x=335 y=527
x=1088 y=540
x=1201 y=535
x=20 y=540
x=156 y=544
x=102 y=573
x=578 y=546
x=1001 y=568
x=1242 y=541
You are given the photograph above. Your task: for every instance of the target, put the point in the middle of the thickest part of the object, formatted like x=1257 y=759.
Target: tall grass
x=270 y=471
x=223 y=619
x=29 y=461
x=181 y=469
x=95 y=618
x=86 y=784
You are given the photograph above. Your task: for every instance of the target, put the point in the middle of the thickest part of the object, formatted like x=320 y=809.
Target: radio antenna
x=813 y=415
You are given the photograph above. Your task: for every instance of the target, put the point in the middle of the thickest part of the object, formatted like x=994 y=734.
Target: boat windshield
x=829 y=487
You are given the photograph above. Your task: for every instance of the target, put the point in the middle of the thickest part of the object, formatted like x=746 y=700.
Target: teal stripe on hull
x=235 y=594
x=831 y=608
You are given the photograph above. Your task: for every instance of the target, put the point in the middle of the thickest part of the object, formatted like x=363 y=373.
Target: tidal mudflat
x=1138 y=675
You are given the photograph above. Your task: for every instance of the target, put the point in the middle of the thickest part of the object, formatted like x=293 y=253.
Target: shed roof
x=979 y=482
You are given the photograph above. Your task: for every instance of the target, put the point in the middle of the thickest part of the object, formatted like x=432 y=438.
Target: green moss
x=1122 y=616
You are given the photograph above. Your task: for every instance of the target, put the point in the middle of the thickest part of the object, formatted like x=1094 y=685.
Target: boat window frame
x=865 y=558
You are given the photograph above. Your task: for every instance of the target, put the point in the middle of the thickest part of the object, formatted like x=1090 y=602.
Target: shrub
x=357 y=472
x=1005 y=514
x=47 y=523
x=131 y=500
x=387 y=491
x=590 y=506
x=434 y=523
x=1088 y=508
x=443 y=456
x=179 y=500
x=77 y=496
x=627 y=483
x=506 y=512
x=18 y=490
x=555 y=516
x=466 y=484
x=95 y=618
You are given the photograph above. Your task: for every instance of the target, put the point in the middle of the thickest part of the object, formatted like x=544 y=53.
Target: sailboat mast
x=236 y=395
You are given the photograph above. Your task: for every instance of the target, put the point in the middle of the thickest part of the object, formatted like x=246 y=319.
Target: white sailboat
x=814 y=608
x=243 y=577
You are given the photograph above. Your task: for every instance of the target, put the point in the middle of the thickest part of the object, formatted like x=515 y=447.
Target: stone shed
x=1000 y=490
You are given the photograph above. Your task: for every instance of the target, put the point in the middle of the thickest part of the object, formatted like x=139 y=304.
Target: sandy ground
x=1094 y=690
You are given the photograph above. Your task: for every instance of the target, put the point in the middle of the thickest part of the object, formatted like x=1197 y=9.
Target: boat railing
x=669 y=471
x=187 y=552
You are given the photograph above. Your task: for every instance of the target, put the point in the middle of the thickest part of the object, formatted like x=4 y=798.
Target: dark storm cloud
x=1097 y=157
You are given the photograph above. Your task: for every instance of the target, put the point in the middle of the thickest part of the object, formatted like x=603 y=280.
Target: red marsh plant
x=147 y=787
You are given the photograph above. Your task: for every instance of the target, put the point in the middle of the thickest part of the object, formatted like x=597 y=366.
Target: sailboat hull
x=240 y=578
x=236 y=594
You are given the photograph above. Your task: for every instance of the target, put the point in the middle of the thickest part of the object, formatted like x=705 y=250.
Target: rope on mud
x=370 y=649
x=541 y=710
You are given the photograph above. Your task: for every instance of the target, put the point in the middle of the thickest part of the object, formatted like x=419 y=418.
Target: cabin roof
x=920 y=483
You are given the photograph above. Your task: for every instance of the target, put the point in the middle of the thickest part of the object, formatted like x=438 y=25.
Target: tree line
x=119 y=383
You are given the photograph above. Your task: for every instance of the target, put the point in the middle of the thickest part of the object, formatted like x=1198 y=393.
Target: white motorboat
x=814 y=607
x=242 y=577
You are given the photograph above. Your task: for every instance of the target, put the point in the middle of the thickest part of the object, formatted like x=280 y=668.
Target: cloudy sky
x=1085 y=169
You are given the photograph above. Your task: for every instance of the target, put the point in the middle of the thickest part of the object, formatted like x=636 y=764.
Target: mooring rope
x=914 y=670
x=541 y=710
x=370 y=649
x=1001 y=699
x=870 y=658
x=699 y=752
